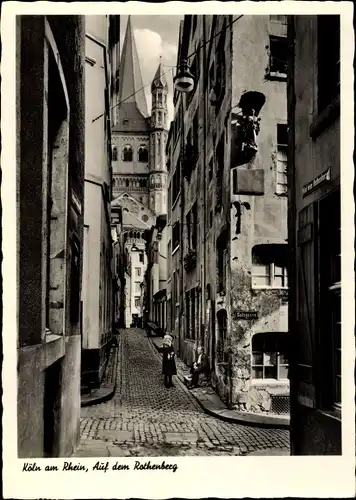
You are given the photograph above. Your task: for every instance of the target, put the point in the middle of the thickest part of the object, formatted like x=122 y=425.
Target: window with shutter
x=330 y=298
x=306 y=307
x=281 y=164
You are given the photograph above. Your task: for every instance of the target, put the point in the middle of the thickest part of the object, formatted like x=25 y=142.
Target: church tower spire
x=159 y=133
x=131 y=90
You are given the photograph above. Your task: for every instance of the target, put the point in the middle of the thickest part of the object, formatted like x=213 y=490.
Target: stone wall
x=49 y=361
x=259 y=218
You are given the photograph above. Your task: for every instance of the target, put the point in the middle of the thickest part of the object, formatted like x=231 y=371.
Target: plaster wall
x=312 y=157
x=91 y=271
x=263 y=219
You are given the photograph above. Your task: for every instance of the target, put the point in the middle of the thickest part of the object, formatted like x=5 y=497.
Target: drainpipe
x=181 y=228
x=205 y=90
x=292 y=243
x=182 y=56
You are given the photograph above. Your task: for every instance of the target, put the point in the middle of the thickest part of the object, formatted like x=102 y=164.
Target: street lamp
x=184 y=80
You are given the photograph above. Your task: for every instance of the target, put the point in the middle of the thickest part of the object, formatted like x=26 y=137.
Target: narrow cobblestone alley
x=146 y=419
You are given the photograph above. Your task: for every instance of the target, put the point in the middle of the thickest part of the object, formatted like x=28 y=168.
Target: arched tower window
x=114 y=153
x=159 y=117
x=127 y=153
x=142 y=154
x=159 y=98
x=159 y=145
x=127 y=183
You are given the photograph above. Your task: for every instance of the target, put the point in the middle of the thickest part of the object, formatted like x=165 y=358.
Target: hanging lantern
x=184 y=80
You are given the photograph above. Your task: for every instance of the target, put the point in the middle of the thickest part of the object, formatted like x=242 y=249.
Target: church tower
x=130 y=135
x=158 y=141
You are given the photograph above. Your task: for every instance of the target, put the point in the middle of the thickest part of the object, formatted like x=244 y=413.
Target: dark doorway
x=51 y=409
x=213 y=334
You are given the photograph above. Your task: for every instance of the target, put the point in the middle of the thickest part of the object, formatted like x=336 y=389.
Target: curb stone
x=103 y=394
x=219 y=410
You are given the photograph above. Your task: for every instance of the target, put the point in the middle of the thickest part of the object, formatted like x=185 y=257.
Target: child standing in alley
x=168 y=361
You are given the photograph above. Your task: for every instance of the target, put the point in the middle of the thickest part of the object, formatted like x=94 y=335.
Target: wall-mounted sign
x=245 y=314
x=320 y=179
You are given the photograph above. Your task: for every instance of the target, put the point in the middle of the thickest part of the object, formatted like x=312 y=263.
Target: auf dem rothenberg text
x=100 y=466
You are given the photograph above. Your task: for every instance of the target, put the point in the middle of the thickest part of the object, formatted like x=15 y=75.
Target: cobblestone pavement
x=144 y=418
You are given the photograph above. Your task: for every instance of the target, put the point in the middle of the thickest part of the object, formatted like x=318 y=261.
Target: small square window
x=269 y=266
x=269 y=358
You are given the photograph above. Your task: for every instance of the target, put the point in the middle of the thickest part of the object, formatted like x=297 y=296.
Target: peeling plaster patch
x=267 y=303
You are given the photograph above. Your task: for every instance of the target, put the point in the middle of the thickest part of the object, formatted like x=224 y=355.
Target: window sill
x=276 y=76
x=335 y=413
x=325 y=118
x=269 y=381
x=175 y=250
x=269 y=288
x=52 y=337
x=336 y=287
x=175 y=201
x=90 y=60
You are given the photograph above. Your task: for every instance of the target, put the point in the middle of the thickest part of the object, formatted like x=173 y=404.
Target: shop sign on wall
x=320 y=179
x=245 y=315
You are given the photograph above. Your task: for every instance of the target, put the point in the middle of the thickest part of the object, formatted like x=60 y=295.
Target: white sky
x=155 y=36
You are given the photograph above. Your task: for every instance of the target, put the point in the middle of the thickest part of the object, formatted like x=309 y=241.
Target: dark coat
x=168 y=363
x=203 y=367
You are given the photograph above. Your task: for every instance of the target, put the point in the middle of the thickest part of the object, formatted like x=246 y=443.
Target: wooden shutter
x=305 y=293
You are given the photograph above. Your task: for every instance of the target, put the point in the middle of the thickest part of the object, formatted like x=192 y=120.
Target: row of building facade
x=253 y=162
x=91 y=181
x=70 y=257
